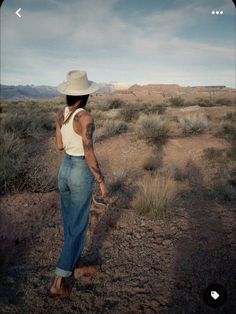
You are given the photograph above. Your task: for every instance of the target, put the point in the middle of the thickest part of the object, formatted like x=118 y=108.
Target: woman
x=75 y=134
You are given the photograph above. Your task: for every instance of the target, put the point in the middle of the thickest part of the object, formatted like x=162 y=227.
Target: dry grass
x=155 y=194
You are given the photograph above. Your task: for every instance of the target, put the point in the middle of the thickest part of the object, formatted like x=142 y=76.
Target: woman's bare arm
x=88 y=128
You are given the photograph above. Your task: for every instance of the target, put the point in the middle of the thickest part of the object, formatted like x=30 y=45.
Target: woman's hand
x=104 y=189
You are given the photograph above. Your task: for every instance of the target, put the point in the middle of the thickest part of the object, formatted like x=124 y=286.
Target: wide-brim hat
x=77 y=84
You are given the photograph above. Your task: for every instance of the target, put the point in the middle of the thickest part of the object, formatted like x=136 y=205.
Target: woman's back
x=72 y=141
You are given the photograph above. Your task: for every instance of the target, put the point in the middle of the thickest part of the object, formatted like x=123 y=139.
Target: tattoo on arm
x=77 y=117
x=89 y=130
x=87 y=146
x=96 y=168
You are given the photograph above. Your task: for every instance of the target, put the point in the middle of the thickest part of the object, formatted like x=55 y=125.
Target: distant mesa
x=122 y=89
x=21 y=92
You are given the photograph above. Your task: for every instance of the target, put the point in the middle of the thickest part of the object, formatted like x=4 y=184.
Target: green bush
x=204 y=102
x=194 y=124
x=152 y=129
x=177 y=101
x=223 y=102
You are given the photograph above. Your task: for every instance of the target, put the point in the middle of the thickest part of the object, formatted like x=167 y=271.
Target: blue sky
x=152 y=41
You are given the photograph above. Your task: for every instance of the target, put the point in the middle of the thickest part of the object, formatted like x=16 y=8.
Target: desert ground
x=167 y=229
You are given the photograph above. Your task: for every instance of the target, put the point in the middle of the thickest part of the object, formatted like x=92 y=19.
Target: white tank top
x=72 y=141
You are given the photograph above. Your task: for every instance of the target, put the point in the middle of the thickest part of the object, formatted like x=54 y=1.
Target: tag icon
x=215 y=295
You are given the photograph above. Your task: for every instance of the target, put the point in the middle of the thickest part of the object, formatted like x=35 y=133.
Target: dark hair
x=71 y=100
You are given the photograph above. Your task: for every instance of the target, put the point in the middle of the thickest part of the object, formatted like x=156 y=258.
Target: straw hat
x=77 y=84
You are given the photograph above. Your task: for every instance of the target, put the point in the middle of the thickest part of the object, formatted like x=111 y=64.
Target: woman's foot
x=61 y=287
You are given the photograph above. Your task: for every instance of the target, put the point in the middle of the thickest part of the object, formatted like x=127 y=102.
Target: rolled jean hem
x=62 y=272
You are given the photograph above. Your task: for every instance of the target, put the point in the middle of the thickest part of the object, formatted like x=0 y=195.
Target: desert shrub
x=129 y=113
x=223 y=102
x=228 y=131
x=112 y=127
x=151 y=108
x=225 y=181
x=13 y=161
x=91 y=105
x=230 y=116
x=110 y=104
x=173 y=118
x=231 y=153
x=178 y=174
x=212 y=153
x=176 y=101
x=27 y=123
x=194 y=124
x=152 y=163
x=115 y=103
x=224 y=191
x=116 y=181
x=204 y=102
x=98 y=118
x=152 y=129
x=161 y=109
x=102 y=106
x=37 y=178
x=154 y=195
x=18 y=168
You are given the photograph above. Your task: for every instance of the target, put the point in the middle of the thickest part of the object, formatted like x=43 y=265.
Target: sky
x=138 y=42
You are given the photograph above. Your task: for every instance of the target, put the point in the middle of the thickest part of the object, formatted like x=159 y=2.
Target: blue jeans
x=75 y=182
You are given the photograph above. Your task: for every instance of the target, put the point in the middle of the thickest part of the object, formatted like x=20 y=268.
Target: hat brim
x=64 y=88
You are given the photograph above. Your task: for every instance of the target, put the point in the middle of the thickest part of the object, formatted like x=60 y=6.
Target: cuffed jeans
x=75 y=182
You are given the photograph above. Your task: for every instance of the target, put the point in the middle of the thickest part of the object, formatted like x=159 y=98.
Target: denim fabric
x=75 y=182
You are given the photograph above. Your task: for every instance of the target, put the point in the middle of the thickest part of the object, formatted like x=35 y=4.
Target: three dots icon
x=217 y=12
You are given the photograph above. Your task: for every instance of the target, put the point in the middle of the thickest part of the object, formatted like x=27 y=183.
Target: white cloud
x=44 y=45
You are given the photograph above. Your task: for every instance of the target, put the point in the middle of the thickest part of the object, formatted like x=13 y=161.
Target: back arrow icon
x=17 y=12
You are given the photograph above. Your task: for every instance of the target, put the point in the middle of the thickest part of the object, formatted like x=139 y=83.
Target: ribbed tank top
x=72 y=141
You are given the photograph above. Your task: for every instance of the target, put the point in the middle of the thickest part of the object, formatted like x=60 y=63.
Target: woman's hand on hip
x=104 y=189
